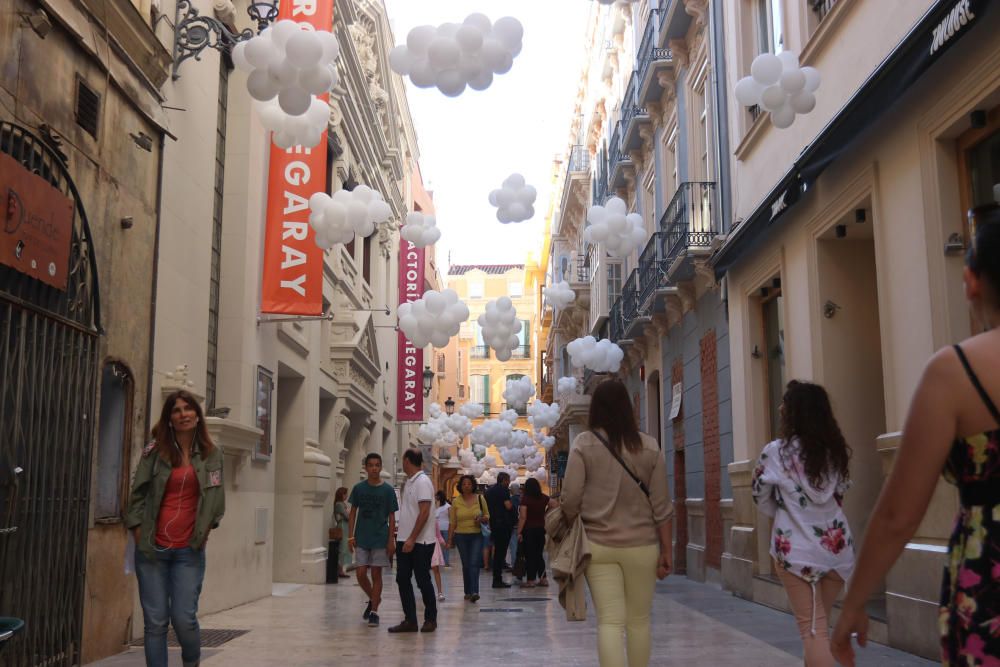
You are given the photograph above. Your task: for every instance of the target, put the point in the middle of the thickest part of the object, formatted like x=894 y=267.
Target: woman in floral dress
x=800 y=480
x=953 y=428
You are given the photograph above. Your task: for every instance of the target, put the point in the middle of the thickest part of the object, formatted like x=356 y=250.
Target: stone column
x=739 y=558
x=315 y=490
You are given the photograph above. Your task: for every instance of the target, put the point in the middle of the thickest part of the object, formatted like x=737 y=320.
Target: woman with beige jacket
x=616 y=482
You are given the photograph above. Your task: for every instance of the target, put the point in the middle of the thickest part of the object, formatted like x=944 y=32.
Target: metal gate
x=48 y=370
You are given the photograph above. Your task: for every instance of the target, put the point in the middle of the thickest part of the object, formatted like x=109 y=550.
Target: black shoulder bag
x=604 y=441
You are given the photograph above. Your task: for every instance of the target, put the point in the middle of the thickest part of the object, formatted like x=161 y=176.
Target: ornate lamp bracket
x=195 y=33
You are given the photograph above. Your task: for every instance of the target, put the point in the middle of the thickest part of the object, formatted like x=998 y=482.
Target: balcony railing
x=822 y=7
x=649 y=53
x=579 y=159
x=614 y=149
x=630 y=299
x=486 y=409
x=521 y=352
x=600 y=188
x=616 y=324
x=652 y=266
x=480 y=352
x=689 y=220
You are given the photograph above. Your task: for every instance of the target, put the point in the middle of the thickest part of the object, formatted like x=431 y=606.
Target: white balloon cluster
x=471 y=410
x=436 y=432
x=291 y=62
x=542 y=415
x=337 y=219
x=433 y=319
x=492 y=432
x=515 y=200
x=541 y=475
x=559 y=295
x=614 y=227
x=566 y=386
x=780 y=86
x=420 y=230
x=453 y=56
x=305 y=130
x=545 y=441
x=500 y=327
x=518 y=392
x=509 y=416
x=602 y=355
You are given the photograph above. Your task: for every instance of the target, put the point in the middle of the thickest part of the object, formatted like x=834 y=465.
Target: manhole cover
x=210 y=638
x=500 y=611
x=527 y=599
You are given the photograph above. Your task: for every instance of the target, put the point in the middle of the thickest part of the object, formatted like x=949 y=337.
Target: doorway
x=289 y=441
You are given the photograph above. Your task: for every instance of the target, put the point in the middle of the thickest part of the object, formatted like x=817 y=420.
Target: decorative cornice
x=699 y=10
x=679 y=47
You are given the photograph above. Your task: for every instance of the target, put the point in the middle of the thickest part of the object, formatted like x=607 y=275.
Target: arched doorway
x=48 y=361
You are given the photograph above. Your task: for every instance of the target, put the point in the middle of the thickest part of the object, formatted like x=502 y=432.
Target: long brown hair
x=163 y=433
x=341 y=495
x=611 y=410
x=808 y=416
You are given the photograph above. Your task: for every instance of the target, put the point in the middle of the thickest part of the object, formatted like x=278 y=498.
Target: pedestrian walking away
x=953 y=428
x=800 y=480
x=515 y=502
x=372 y=524
x=531 y=532
x=415 y=552
x=616 y=482
x=468 y=514
x=177 y=498
x=341 y=519
x=501 y=525
x=442 y=514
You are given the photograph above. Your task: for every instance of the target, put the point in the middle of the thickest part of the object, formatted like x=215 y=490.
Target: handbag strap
x=618 y=458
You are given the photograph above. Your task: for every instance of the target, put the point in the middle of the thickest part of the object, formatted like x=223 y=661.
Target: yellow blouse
x=464 y=517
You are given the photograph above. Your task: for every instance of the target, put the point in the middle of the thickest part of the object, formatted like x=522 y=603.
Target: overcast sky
x=470 y=144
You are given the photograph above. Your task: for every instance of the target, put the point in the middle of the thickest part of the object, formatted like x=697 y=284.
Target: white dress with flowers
x=810 y=537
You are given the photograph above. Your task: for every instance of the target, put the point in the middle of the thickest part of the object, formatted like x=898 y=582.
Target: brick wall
x=680 y=478
x=713 y=458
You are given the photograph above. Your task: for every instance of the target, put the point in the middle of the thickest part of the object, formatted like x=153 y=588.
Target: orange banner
x=293 y=263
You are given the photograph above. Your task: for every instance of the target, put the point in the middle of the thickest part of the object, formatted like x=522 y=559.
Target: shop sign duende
x=37 y=225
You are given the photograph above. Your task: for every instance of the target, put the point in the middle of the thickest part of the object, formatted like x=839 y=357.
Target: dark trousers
x=417 y=563
x=534 y=546
x=501 y=540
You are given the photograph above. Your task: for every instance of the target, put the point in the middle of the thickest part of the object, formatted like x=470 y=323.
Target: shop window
x=768 y=26
x=476 y=288
x=113 y=441
x=772 y=316
x=614 y=282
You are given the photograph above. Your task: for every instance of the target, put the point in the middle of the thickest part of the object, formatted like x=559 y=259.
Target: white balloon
x=803 y=102
x=481 y=81
x=789 y=61
x=812 y=78
x=443 y=53
x=304 y=49
x=240 y=58
x=480 y=21
x=792 y=81
x=450 y=82
x=419 y=39
x=317 y=79
x=766 y=69
x=261 y=86
x=469 y=37
x=509 y=30
x=400 y=60
x=748 y=91
x=783 y=117
x=422 y=74
x=331 y=45
x=294 y=100
x=260 y=52
x=494 y=54
x=281 y=31
x=772 y=98
x=505 y=64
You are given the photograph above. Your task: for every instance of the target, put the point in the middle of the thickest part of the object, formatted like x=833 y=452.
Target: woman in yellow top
x=468 y=514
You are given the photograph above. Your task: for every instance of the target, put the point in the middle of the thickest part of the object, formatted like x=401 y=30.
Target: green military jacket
x=150 y=483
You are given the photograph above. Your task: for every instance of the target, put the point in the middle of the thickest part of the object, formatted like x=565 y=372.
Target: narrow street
x=693 y=624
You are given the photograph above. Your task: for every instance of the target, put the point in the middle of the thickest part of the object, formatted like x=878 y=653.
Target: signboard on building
x=293 y=263
x=37 y=225
x=410 y=359
x=675 y=403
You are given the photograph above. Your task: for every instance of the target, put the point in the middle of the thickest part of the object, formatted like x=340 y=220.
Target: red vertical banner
x=410 y=359
x=292 y=282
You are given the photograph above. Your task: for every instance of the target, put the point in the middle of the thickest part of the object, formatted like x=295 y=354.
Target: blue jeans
x=169 y=586
x=470 y=549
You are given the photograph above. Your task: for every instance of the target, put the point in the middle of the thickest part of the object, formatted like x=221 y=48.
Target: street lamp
x=449 y=407
x=428 y=378
x=195 y=33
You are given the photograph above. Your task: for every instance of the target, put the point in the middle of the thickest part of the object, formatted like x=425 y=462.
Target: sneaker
x=441 y=597
x=368 y=611
x=373 y=620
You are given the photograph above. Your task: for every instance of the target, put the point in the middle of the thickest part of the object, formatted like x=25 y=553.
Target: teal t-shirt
x=375 y=504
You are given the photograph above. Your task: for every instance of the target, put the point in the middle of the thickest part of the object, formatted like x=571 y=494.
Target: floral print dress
x=810 y=537
x=970 y=594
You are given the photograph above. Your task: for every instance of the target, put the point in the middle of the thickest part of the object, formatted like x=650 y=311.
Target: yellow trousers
x=622 y=581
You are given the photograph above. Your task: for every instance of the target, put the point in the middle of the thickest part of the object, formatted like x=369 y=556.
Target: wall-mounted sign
x=37 y=225
x=410 y=358
x=675 y=404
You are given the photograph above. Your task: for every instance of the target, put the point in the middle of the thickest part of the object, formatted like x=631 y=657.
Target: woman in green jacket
x=177 y=498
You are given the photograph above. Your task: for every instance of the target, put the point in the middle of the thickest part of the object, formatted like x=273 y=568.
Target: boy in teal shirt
x=371 y=529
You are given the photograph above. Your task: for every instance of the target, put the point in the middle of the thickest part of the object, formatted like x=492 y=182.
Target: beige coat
x=569 y=555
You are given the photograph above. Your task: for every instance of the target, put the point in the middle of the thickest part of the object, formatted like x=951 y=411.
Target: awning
x=935 y=33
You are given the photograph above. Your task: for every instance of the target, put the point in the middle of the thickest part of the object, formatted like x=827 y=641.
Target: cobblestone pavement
x=693 y=624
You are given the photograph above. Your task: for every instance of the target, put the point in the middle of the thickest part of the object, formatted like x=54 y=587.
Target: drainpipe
x=152 y=300
x=721 y=124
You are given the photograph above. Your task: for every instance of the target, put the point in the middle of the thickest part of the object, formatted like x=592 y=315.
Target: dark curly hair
x=808 y=416
x=475 y=484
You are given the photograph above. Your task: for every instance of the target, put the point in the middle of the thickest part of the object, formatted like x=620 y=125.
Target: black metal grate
x=88 y=107
x=210 y=638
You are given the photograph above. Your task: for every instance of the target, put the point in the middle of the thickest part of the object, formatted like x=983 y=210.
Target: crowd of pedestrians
x=612 y=525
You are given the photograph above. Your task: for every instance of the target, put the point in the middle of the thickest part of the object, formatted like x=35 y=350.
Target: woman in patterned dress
x=800 y=480
x=953 y=428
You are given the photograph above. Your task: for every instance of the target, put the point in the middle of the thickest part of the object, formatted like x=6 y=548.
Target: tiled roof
x=494 y=269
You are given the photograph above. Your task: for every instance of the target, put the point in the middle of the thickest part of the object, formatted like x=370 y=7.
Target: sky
x=471 y=143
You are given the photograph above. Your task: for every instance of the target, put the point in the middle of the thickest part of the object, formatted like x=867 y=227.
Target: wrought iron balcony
x=633 y=115
x=600 y=187
x=480 y=352
x=616 y=324
x=521 y=351
x=630 y=301
x=582 y=274
x=579 y=159
x=689 y=220
x=618 y=160
x=651 y=59
x=652 y=268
